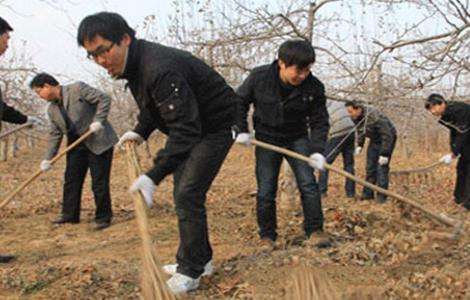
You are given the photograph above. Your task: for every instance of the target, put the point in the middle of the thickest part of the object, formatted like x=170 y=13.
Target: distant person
x=455 y=116
x=382 y=134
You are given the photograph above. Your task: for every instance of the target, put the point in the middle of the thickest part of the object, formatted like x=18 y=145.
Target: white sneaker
x=179 y=283
x=171 y=269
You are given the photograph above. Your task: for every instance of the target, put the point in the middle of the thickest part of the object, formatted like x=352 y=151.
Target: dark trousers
x=333 y=148
x=79 y=160
x=462 y=185
x=376 y=173
x=192 y=180
x=268 y=165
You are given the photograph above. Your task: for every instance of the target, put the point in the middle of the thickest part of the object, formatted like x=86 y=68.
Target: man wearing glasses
x=184 y=98
x=8 y=113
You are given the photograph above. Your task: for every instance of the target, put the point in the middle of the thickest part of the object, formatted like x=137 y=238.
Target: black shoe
x=102 y=225
x=381 y=199
x=350 y=196
x=63 y=220
x=367 y=197
x=6 y=258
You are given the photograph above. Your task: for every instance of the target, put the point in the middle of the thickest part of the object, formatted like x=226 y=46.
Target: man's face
x=293 y=75
x=47 y=92
x=438 y=109
x=354 y=113
x=4 y=38
x=109 y=55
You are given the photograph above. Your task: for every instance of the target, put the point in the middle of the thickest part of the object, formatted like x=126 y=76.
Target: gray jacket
x=340 y=121
x=84 y=105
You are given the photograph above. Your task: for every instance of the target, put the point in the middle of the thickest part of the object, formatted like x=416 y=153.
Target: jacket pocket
x=269 y=111
x=171 y=108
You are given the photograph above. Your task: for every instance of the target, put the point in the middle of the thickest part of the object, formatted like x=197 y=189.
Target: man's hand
x=317 y=161
x=145 y=185
x=383 y=160
x=130 y=136
x=35 y=121
x=45 y=165
x=96 y=126
x=357 y=151
x=447 y=159
x=244 y=139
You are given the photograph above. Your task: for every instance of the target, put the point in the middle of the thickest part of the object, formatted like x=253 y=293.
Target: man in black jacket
x=8 y=113
x=290 y=112
x=382 y=134
x=455 y=116
x=184 y=98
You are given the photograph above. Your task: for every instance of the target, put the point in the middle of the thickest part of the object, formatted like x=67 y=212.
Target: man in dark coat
x=455 y=116
x=185 y=99
x=382 y=134
x=290 y=112
x=8 y=113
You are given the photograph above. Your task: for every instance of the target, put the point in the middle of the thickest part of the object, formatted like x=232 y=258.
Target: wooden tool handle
x=432 y=215
x=39 y=172
x=16 y=129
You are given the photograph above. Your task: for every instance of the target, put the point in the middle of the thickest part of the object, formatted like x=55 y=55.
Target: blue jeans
x=347 y=151
x=268 y=165
x=375 y=173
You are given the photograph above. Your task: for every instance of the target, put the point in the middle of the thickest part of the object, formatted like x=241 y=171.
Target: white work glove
x=35 y=121
x=45 y=165
x=447 y=159
x=130 y=136
x=146 y=186
x=96 y=126
x=383 y=160
x=357 y=151
x=244 y=139
x=317 y=161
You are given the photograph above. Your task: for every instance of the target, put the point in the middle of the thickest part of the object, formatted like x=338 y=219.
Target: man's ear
x=126 y=40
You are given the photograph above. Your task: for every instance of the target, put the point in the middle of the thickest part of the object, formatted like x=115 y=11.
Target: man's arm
x=319 y=122
x=178 y=107
x=95 y=96
x=11 y=115
x=245 y=93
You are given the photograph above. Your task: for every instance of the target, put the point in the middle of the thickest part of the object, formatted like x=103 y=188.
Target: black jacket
x=9 y=114
x=181 y=96
x=457 y=118
x=378 y=128
x=280 y=119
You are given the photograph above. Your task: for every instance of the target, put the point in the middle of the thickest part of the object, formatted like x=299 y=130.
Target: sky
x=49 y=30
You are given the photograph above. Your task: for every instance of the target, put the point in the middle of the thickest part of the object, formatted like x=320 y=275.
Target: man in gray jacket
x=340 y=141
x=74 y=109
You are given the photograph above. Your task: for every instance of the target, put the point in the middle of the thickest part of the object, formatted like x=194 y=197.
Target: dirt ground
x=379 y=250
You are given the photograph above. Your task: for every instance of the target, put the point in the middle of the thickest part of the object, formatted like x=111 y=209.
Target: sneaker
x=180 y=283
x=318 y=239
x=171 y=269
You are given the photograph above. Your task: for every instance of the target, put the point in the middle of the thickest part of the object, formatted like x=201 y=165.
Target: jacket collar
x=133 y=59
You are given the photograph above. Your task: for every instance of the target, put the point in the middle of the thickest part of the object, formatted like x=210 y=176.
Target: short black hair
x=354 y=104
x=297 y=52
x=41 y=79
x=4 y=26
x=434 y=99
x=108 y=25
